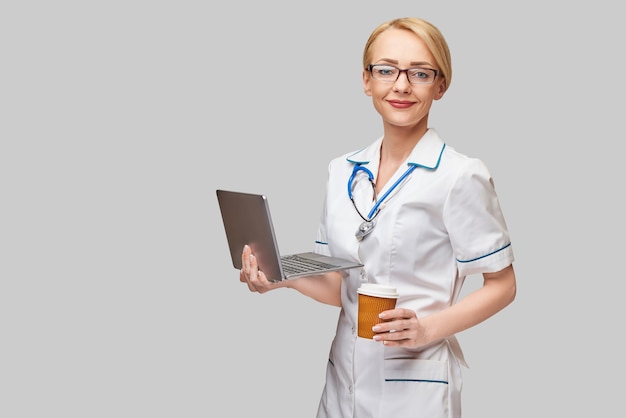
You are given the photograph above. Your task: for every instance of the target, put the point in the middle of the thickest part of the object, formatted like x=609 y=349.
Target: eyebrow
x=413 y=63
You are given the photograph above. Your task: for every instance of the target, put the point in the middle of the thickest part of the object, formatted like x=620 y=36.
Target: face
x=400 y=103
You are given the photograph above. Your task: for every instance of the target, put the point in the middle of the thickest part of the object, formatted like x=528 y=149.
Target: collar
x=426 y=154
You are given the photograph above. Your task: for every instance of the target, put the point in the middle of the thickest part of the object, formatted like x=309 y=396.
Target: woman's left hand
x=400 y=328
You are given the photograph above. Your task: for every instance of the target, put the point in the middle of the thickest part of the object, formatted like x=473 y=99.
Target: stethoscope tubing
x=358 y=167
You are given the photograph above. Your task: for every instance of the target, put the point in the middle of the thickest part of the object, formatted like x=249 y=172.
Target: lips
x=400 y=104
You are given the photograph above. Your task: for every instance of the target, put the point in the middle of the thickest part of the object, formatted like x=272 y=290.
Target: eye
x=421 y=74
x=385 y=70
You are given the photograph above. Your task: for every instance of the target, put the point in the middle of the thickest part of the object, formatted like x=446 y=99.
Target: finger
x=246 y=269
x=397 y=314
x=245 y=259
x=391 y=326
x=254 y=265
x=390 y=336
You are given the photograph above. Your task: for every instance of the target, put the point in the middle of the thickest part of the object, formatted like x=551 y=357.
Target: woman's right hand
x=252 y=276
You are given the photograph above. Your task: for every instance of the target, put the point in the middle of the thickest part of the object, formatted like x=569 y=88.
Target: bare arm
x=324 y=288
x=497 y=292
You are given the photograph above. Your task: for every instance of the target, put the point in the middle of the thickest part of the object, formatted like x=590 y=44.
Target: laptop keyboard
x=296 y=264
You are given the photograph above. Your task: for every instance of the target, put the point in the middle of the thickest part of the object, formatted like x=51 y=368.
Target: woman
x=421 y=217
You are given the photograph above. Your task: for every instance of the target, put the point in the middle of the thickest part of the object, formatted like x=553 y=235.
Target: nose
x=402 y=82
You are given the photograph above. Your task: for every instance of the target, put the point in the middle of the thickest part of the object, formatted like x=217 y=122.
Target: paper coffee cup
x=373 y=299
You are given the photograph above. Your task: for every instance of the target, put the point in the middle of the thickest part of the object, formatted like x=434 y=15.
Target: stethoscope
x=368 y=223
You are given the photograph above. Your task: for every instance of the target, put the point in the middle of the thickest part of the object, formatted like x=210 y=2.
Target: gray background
x=119 y=120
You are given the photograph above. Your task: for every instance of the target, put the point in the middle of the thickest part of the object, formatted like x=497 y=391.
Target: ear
x=441 y=89
x=366 y=82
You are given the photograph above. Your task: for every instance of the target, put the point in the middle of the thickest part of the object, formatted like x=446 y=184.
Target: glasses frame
x=400 y=71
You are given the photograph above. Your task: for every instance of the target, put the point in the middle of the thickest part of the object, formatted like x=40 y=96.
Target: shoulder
x=463 y=165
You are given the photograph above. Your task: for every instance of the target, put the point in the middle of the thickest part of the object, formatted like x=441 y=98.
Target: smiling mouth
x=400 y=103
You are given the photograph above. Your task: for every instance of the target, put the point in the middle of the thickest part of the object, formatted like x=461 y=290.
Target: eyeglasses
x=390 y=74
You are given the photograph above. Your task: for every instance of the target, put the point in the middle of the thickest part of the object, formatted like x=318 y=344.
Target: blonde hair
x=427 y=32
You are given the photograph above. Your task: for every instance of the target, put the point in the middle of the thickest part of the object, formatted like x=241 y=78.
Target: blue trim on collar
x=436 y=164
x=354 y=161
x=409 y=163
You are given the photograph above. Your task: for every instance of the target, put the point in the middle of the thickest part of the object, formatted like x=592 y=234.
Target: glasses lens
x=385 y=72
x=421 y=75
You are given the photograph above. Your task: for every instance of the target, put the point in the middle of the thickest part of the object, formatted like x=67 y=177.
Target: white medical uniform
x=442 y=223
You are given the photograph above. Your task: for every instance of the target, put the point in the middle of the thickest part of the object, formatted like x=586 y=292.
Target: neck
x=397 y=145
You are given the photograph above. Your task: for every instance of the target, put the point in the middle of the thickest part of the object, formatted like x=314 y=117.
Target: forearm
x=325 y=288
x=498 y=291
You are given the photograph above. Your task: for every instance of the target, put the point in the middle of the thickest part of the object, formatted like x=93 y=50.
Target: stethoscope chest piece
x=364 y=229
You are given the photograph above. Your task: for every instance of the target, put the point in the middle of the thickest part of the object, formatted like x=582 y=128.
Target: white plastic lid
x=378 y=290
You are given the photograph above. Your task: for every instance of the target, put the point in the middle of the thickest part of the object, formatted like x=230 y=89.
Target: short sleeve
x=475 y=222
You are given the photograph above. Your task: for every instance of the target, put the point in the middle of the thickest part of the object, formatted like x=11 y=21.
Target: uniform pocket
x=415 y=388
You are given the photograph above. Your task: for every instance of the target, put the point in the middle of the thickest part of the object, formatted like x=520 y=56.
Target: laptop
x=247 y=220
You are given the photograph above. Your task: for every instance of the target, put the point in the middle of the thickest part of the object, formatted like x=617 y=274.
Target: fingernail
x=375 y=328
